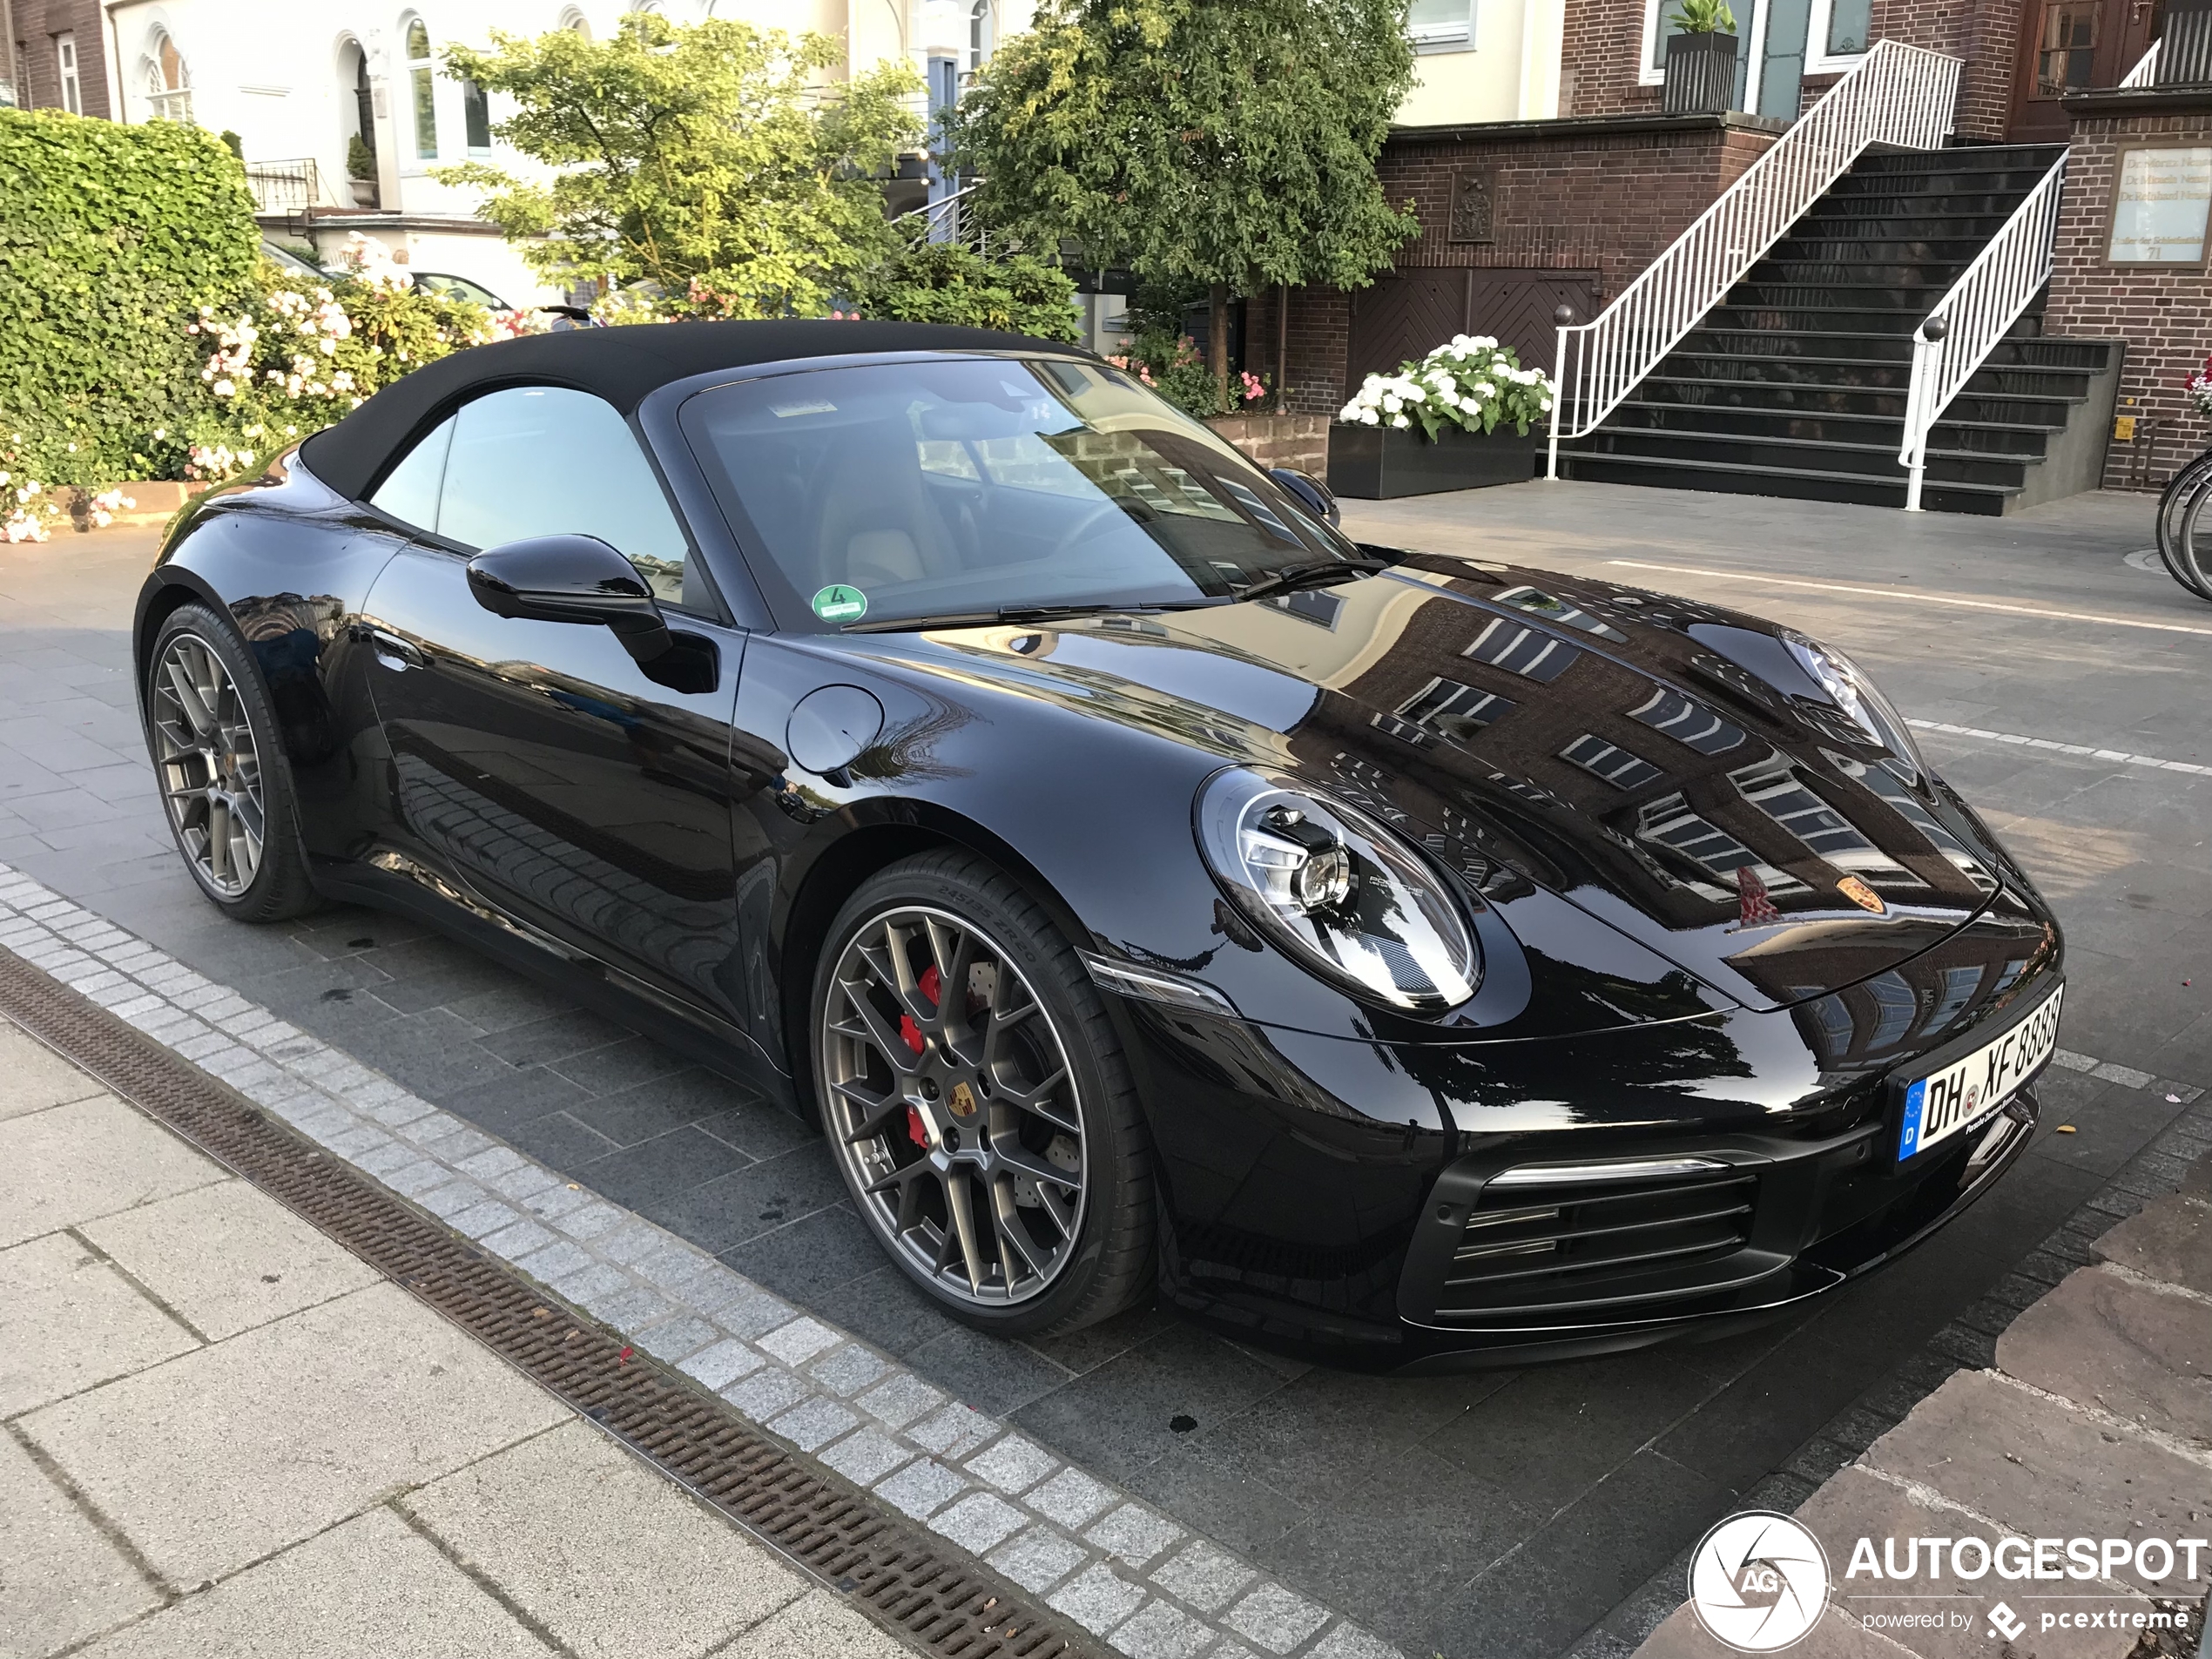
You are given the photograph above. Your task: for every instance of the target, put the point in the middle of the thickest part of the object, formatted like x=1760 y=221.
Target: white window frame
x=168 y=103
x=982 y=35
x=413 y=162
x=1820 y=63
x=72 y=87
x=1446 y=37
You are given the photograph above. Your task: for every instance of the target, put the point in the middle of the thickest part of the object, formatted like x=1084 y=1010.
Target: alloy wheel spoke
x=961 y=1203
x=878 y=1032
x=1014 y=1238
x=1043 y=1171
x=1041 y=1099
x=875 y=1111
x=189 y=702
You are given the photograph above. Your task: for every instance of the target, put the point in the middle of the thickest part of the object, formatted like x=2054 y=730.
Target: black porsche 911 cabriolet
x=1402 y=959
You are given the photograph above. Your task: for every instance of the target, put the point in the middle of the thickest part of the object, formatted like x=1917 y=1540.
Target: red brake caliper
x=930 y=982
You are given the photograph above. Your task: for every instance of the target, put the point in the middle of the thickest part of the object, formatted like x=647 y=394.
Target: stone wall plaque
x=2160 y=202
x=1474 y=206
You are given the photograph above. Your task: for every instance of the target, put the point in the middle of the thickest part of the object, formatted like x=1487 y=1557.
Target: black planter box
x=1701 y=75
x=1381 y=462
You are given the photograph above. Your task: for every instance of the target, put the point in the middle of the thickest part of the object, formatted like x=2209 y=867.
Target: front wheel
x=976 y=1100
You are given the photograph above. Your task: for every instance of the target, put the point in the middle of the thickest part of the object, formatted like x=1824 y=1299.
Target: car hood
x=1666 y=766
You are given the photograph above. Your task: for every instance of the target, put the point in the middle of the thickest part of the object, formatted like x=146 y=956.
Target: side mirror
x=571 y=578
x=1310 y=491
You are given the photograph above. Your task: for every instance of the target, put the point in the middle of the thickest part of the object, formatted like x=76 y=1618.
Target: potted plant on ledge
x=1701 y=59
x=1436 y=424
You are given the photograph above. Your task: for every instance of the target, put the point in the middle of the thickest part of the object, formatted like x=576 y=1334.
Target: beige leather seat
x=878 y=526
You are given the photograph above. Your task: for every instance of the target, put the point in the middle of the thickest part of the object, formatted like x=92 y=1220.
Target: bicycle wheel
x=2178 y=512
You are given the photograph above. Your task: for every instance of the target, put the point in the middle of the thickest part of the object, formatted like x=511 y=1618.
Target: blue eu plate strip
x=1908 y=1141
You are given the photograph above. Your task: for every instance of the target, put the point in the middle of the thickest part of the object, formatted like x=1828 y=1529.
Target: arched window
x=982 y=35
x=167 y=81
x=422 y=90
x=575 y=22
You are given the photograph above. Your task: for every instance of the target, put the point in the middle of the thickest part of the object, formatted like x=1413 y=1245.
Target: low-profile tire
x=1012 y=1104
x=218 y=760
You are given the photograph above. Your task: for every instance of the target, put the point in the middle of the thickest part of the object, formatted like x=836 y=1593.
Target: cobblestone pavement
x=223 y=1435
x=1498 y=1514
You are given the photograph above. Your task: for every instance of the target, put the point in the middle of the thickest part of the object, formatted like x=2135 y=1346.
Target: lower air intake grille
x=1530 y=1247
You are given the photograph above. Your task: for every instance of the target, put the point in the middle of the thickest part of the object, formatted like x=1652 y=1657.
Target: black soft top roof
x=622 y=364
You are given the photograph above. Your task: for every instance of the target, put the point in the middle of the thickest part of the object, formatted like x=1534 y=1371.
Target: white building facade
x=344 y=111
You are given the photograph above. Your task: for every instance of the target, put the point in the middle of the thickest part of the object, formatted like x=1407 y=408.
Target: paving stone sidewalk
x=1116 y=1567
x=222 y=1434
x=2088 y=1415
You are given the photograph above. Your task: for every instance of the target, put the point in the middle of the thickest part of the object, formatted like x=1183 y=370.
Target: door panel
x=535 y=763
x=2070 y=46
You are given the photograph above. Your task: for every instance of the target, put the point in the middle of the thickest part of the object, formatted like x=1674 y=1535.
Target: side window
x=409 y=492
x=545 y=460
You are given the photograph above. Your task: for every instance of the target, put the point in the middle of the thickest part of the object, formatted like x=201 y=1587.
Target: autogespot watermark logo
x=1758 y=1582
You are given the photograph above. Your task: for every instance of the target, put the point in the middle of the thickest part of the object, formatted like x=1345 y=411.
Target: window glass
x=475 y=113
x=420 y=77
x=545 y=460
x=409 y=492
x=1440 y=19
x=1850 y=21
x=959 y=485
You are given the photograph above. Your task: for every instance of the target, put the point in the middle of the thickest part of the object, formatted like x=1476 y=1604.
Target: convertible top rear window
x=951 y=485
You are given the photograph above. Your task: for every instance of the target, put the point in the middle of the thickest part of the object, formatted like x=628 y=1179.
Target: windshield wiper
x=1307 y=576
x=1017 y=614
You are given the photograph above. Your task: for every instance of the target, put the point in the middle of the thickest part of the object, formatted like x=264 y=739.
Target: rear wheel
x=977 y=1102
x=220 y=765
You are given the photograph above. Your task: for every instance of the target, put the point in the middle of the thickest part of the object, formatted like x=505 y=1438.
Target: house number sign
x=2159 y=207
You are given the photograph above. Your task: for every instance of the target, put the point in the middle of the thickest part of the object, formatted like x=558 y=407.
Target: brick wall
x=1604 y=197
x=36 y=23
x=2164 y=314
x=1604 y=48
x=1300 y=441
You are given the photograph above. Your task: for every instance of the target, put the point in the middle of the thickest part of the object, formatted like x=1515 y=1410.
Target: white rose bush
x=300 y=354
x=1470 y=382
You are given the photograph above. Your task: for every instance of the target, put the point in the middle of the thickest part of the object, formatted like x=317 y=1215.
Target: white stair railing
x=1956 y=338
x=2146 y=69
x=1896 y=95
x=949 y=220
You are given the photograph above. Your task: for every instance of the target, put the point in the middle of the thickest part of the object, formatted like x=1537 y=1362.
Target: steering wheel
x=1082 y=526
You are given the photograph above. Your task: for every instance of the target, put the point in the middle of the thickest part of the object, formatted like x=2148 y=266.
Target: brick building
x=58 y=55
x=1524 y=220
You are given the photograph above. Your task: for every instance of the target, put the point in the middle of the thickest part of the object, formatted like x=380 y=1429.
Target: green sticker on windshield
x=838 y=603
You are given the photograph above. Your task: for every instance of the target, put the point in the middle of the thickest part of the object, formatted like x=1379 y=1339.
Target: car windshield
x=945 y=486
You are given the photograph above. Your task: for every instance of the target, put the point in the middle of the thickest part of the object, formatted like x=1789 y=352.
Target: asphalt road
x=1500 y=1515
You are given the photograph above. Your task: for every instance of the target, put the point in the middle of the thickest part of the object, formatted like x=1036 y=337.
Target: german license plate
x=1964 y=1093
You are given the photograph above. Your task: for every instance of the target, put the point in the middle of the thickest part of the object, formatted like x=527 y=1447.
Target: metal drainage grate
x=901 y=1573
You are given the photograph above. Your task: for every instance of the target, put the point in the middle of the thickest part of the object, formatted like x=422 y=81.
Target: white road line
x=1923 y=599
x=2120 y=756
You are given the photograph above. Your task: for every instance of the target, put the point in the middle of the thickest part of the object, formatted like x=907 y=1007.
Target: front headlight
x=1341 y=895
x=1856 y=695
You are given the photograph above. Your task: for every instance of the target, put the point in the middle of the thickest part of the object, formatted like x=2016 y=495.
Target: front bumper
x=1379 y=1237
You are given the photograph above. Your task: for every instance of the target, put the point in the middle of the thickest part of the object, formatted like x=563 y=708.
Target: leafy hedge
x=942 y=282
x=111 y=238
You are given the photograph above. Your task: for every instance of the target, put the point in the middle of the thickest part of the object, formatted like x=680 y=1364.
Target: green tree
x=703 y=154
x=1227 y=142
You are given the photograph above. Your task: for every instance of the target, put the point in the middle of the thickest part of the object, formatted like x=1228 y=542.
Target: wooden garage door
x=1408 y=314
